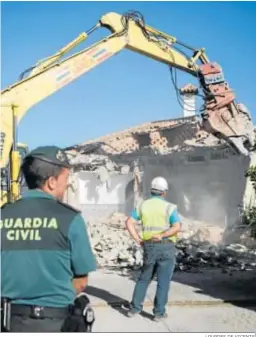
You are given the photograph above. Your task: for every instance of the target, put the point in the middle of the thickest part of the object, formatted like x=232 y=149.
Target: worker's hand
x=139 y=242
x=157 y=237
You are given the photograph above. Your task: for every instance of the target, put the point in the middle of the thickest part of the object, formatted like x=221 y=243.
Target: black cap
x=51 y=154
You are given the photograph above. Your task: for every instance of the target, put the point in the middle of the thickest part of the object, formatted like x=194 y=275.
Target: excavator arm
x=17 y=99
x=221 y=115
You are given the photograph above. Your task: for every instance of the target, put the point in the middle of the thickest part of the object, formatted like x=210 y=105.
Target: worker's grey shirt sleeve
x=82 y=258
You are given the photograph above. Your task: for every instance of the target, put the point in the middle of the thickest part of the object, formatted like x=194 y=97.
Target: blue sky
x=127 y=89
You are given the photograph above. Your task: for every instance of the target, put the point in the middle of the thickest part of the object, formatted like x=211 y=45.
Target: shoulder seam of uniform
x=69 y=206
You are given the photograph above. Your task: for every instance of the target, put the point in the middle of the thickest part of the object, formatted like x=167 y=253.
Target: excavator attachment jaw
x=221 y=115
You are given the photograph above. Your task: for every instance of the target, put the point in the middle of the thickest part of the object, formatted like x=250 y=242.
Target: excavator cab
x=12 y=181
x=23 y=151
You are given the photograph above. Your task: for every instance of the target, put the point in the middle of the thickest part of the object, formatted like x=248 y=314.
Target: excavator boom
x=221 y=116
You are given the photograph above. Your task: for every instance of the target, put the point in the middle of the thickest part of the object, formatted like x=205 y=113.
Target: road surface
x=181 y=319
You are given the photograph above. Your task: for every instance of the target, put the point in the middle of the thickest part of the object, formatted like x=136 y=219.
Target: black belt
x=38 y=312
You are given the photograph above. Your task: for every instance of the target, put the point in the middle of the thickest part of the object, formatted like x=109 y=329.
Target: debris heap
x=194 y=256
x=114 y=249
x=113 y=245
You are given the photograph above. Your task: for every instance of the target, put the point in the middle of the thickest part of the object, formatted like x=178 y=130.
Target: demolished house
x=111 y=174
x=206 y=176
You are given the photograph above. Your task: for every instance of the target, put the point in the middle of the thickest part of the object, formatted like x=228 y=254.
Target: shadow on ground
x=117 y=303
x=230 y=278
x=237 y=287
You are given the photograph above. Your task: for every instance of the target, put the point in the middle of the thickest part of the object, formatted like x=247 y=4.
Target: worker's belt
x=164 y=240
x=38 y=312
x=155 y=228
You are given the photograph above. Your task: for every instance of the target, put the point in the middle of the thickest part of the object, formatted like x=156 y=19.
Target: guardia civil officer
x=46 y=255
x=160 y=225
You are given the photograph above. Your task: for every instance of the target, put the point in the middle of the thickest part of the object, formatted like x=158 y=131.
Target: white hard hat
x=159 y=184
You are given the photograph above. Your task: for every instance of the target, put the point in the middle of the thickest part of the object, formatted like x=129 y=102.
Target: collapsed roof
x=163 y=137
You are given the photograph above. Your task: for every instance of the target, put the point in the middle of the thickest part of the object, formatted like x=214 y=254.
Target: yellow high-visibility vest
x=154 y=214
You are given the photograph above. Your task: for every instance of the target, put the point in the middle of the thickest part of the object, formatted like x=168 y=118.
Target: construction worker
x=46 y=255
x=160 y=225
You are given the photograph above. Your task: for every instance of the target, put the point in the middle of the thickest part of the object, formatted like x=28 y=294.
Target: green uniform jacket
x=44 y=246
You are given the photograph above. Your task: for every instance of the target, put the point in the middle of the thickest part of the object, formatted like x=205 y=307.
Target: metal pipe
x=91 y=30
x=185 y=45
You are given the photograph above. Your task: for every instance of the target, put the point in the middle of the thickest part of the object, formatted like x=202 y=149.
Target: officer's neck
x=50 y=192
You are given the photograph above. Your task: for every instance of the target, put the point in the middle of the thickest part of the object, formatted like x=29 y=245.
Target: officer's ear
x=52 y=183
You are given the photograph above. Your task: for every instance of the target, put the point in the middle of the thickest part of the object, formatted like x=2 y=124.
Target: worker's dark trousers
x=26 y=324
x=159 y=258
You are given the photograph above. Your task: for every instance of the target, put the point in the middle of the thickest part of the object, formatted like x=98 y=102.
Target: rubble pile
x=194 y=256
x=114 y=249
x=199 y=231
x=112 y=243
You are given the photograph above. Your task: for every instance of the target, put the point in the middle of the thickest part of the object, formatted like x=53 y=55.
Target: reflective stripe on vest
x=154 y=214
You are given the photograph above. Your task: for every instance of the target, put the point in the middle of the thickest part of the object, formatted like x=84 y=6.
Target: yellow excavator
x=221 y=115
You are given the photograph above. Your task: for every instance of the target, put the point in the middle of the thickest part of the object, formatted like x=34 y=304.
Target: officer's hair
x=36 y=171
